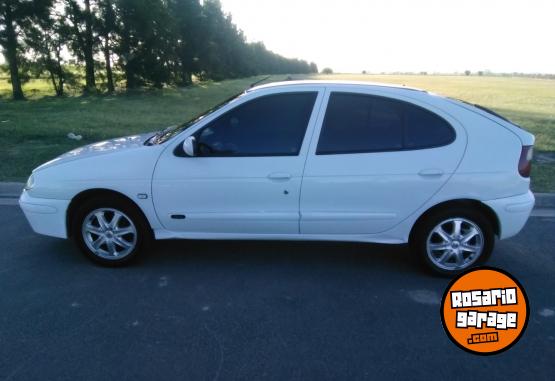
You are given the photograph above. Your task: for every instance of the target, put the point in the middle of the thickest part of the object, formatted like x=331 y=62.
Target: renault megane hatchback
x=306 y=160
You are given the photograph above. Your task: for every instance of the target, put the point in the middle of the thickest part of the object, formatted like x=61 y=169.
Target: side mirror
x=190 y=146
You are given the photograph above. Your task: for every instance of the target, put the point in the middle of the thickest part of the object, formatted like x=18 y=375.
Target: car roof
x=332 y=83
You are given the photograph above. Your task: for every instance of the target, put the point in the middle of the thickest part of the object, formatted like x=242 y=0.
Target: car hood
x=100 y=148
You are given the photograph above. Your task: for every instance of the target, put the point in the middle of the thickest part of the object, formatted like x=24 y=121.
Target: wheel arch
x=488 y=212
x=88 y=194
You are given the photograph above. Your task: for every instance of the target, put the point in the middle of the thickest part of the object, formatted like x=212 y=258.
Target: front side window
x=272 y=125
x=358 y=123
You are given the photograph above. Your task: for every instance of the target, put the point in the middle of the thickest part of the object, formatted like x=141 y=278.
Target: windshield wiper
x=159 y=135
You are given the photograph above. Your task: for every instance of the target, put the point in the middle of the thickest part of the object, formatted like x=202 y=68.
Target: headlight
x=30 y=183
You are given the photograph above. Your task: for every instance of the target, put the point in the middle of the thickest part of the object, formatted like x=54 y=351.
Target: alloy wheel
x=109 y=233
x=455 y=244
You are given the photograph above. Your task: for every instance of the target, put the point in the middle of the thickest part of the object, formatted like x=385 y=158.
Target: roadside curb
x=545 y=200
x=11 y=190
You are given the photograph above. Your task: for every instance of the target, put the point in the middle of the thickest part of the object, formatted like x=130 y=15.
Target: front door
x=246 y=175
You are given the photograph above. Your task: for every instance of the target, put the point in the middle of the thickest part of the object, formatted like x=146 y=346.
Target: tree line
x=145 y=42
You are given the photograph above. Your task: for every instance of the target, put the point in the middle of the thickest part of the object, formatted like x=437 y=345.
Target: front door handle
x=431 y=172
x=279 y=176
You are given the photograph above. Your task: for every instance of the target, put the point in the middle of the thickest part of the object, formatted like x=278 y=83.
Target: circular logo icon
x=484 y=311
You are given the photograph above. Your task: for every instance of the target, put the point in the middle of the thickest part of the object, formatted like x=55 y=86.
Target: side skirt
x=381 y=238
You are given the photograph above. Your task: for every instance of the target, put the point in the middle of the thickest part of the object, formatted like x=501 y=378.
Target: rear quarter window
x=424 y=129
x=359 y=123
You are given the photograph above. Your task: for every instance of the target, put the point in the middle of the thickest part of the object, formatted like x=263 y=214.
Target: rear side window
x=272 y=125
x=424 y=129
x=358 y=123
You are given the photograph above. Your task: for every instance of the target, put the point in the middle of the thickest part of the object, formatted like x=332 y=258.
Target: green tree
x=187 y=19
x=215 y=53
x=107 y=30
x=45 y=41
x=15 y=17
x=153 y=42
x=146 y=42
x=79 y=27
x=313 y=67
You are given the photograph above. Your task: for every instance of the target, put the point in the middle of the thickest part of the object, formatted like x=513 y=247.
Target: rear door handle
x=431 y=172
x=279 y=176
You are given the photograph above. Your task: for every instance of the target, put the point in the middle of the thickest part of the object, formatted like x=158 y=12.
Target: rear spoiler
x=525 y=137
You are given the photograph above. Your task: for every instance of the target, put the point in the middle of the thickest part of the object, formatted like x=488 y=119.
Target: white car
x=306 y=160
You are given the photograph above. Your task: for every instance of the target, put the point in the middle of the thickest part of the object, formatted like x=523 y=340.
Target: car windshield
x=168 y=133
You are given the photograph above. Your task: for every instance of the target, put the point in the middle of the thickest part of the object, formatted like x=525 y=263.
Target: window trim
x=178 y=150
x=404 y=148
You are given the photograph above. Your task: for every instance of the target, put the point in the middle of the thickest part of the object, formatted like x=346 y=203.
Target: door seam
x=318 y=114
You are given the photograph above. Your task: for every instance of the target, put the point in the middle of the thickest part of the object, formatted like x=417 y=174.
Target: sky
x=442 y=36
x=404 y=35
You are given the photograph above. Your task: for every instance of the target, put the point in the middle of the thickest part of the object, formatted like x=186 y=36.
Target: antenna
x=259 y=81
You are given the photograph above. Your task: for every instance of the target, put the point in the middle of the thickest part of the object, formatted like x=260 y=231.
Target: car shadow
x=206 y=254
x=315 y=254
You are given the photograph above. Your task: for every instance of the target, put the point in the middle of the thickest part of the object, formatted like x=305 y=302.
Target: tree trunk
x=60 y=73
x=186 y=79
x=11 y=55
x=126 y=59
x=131 y=80
x=88 y=51
x=61 y=82
x=53 y=80
x=60 y=70
x=108 y=27
x=107 y=58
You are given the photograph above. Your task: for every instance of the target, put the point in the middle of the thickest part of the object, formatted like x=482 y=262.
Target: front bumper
x=46 y=216
x=512 y=212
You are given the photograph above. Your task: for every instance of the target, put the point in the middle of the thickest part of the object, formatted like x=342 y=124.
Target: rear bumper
x=512 y=212
x=46 y=216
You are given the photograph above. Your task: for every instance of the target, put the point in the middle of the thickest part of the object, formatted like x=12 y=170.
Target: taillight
x=525 y=162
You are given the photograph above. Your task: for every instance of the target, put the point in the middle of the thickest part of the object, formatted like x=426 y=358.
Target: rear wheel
x=453 y=240
x=110 y=231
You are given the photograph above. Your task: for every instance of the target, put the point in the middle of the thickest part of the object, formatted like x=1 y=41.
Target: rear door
x=375 y=159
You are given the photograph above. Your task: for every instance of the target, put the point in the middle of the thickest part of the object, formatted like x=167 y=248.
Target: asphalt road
x=253 y=311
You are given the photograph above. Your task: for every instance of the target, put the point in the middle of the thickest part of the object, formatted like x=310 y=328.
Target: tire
x=443 y=250
x=114 y=226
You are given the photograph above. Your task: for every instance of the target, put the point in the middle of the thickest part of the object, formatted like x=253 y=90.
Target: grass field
x=35 y=131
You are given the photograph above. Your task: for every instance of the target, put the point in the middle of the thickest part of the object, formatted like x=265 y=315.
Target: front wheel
x=452 y=241
x=110 y=232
